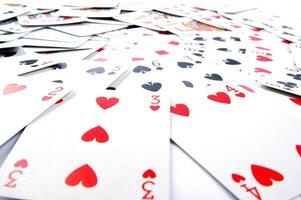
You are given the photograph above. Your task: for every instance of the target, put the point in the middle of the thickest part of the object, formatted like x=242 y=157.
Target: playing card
x=51 y=18
x=24 y=100
x=26 y=64
x=115 y=161
x=267 y=165
x=181 y=9
x=89 y=12
x=187 y=177
x=9 y=36
x=88 y=29
x=39 y=11
x=13 y=26
x=136 y=5
x=295 y=50
x=9 y=11
x=252 y=17
x=209 y=17
x=145 y=19
x=183 y=25
x=54 y=35
x=224 y=50
x=288 y=80
x=133 y=41
x=265 y=57
x=92 y=3
x=285 y=27
x=73 y=70
x=91 y=45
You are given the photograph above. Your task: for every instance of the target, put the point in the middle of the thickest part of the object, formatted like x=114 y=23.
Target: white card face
x=93 y=44
x=48 y=43
x=179 y=9
x=296 y=51
x=23 y=100
x=258 y=149
x=225 y=51
x=268 y=54
x=48 y=19
x=92 y=3
x=90 y=12
x=189 y=179
x=132 y=43
x=15 y=27
x=88 y=29
x=250 y=17
x=8 y=36
x=137 y=5
x=286 y=80
x=54 y=35
x=73 y=70
x=107 y=154
x=209 y=17
x=26 y=64
x=8 y=12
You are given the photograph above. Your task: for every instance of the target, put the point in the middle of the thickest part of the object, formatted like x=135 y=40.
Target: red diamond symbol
x=161 y=52
x=174 y=43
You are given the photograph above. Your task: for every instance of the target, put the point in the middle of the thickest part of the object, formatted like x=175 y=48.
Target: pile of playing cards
x=94 y=94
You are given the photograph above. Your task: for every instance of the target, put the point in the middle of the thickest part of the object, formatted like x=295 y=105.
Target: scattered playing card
x=50 y=18
x=288 y=81
x=145 y=19
x=24 y=100
x=213 y=138
x=115 y=161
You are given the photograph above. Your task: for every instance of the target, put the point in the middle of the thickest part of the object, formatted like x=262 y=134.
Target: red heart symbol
x=265 y=176
x=154 y=107
x=21 y=163
x=237 y=178
x=263 y=58
x=84 y=174
x=240 y=94
x=149 y=174
x=12 y=88
x=246 y=88
x=298 y=147
x=105 y=103
x=45 y=98
x=296 y=101
x=180 y=109
x=262 y=70
x=254 y=38
x=97 y=133
x=220 y=97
